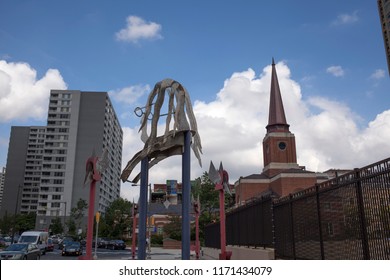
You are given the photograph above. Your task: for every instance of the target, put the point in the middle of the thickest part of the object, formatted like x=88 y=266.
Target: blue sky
x=330 y=61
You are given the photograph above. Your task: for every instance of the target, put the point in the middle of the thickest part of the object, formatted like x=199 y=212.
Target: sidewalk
x=158 y=253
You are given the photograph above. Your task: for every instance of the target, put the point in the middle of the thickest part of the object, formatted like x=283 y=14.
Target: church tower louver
x=281 y=173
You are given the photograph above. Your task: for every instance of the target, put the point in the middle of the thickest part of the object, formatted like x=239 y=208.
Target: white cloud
x=137 y=29
x=22 y=94
x=336 y=71
x=232 y=128
x=129 y=95
x=378 y=74
x=343 y=19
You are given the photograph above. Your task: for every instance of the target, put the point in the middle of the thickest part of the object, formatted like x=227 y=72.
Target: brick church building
x=281 y=174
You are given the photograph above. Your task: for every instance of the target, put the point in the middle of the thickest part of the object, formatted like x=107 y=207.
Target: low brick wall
x=241 y=253
x=171 y=244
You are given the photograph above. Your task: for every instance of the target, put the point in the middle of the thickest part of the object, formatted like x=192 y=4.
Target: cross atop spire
x=276 y=118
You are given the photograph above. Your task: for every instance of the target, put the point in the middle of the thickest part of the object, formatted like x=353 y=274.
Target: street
x=101 y=254
x=107 y=254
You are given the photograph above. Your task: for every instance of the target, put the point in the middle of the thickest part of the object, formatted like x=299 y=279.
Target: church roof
x=256 y=176
x=286 y=171
x=276 y=117
x=159 y=208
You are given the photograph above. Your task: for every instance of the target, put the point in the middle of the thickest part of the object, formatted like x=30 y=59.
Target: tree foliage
x=20 y=222
x=173 y=228
x=117 y=220
x=56 y=226
x=6 y=223
x=25 y=222
x=76 y=216
x=209 y=202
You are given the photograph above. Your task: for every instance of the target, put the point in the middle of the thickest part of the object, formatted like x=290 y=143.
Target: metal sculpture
x=221 y=180
x=176 y=140
x=158 y=148
x=94 y=168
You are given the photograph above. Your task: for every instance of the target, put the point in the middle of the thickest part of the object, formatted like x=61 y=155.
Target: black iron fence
x=347 y=217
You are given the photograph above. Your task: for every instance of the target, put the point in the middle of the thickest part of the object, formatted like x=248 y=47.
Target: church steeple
x=276 y=118
x=279 y=151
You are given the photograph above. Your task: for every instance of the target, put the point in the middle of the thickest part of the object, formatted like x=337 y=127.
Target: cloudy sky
x=330 y=62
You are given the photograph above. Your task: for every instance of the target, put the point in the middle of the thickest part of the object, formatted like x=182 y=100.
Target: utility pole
x=16 y=211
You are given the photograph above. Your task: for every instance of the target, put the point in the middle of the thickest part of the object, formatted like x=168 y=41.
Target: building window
x=329 y=228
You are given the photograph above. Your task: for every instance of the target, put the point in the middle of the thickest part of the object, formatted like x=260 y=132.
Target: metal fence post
x=363 y=223
x=319 y=222
x=292 y=226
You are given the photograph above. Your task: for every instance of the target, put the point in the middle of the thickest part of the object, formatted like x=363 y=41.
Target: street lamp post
x=64 y=202
x=16 y=211
x=96 y=236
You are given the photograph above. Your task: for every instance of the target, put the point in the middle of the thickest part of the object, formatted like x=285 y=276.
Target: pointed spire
x=276 y=118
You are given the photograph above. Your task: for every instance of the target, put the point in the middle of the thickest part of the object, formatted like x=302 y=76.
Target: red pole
x=197 y=244
x=224 y=255
x=134 y=235
x=91 y=216
x=221 y=180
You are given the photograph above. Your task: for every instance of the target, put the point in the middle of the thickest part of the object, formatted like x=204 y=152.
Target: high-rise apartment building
x=384 y=15
x=52 y=159
x=2 y=177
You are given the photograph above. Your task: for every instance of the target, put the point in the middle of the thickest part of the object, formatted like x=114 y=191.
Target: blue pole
x=143 y=206
x=186 y=194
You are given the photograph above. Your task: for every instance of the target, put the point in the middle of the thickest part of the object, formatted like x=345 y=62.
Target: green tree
x=204 y=188
x=71 y=225
x=117 y=220
x=56 y=226
x=208 y=196
x=25 y=222
x=6 y=224
x=76 y=216
x=173 y=228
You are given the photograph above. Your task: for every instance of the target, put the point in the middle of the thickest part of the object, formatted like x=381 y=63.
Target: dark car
x=102 y=242
x=50 y=245
x=21 y=251
x=64 y=242
x=72 y=248
x=2 y=242
x=116 y=245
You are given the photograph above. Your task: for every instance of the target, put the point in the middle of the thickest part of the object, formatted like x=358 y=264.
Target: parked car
x=21 y=251
x=116 y=245
x=8 y=240
x=102 y=242
x=64 y=241
x=50 y=245
x=72 y=248
x=39 y=238
x=83 y=242
x=55 y=239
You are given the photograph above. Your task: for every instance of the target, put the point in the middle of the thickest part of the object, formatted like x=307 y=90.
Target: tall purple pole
x=143 y=208
x=186 y=198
